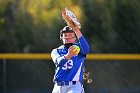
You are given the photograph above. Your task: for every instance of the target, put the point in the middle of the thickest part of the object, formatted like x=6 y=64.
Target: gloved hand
x=70 y=19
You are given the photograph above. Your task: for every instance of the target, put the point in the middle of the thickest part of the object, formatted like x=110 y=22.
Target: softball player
x=68 y=64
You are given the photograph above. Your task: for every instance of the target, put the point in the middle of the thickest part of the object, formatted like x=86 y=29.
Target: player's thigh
x=56 y=89
x=76 y=89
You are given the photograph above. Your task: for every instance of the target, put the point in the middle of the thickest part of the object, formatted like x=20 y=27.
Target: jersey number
x=68 y=65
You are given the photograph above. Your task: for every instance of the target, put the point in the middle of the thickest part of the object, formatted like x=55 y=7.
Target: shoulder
x=61 y=47
x=56 y=49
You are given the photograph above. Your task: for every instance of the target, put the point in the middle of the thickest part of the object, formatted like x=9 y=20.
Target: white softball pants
x=77 y=88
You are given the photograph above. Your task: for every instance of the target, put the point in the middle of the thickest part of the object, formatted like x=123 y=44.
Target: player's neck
x=68 y=45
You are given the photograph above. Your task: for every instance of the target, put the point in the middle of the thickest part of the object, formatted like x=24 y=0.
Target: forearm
x=61 y=61
x=78 y=33
x=67 y=56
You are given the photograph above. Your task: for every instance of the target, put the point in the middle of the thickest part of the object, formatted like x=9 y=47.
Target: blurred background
x=32 y=26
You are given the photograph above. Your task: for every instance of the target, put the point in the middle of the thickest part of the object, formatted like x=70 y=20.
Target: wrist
x=67 y=56
x=76 y=29
x=78 y=32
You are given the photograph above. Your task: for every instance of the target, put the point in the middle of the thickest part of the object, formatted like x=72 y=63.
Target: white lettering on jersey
x=68 y=65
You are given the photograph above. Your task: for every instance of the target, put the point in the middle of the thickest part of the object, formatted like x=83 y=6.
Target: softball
x=76 y=49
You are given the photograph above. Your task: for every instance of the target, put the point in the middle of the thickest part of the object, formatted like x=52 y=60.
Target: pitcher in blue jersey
x=68 y=64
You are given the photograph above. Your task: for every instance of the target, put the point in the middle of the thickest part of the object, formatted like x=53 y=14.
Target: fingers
x=71 y=48
x=63 y=12
x=71 y=51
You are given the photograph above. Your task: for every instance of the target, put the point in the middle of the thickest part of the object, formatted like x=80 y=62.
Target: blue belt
x=63 y=83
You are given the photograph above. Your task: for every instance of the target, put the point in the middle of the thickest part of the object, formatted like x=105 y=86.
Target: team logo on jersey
x=62 y=51
x=68 y=65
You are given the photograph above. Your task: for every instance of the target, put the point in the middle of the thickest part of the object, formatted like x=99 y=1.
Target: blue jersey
x=72 y=69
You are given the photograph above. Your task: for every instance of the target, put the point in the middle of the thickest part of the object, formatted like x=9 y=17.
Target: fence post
x=4 y=75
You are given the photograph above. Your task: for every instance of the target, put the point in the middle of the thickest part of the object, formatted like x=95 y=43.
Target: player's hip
x=73 y=87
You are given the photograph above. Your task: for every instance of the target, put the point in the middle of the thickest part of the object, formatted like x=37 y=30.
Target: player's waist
x=64 y=83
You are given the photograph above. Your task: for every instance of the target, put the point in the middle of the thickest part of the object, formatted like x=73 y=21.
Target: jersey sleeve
x=84 y=45
x=57 y=58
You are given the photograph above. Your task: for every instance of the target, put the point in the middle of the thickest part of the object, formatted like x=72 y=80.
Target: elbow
x=86 y=50
x=61 y=61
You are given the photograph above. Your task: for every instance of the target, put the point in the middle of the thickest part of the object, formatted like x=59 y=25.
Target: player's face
x=68 y=37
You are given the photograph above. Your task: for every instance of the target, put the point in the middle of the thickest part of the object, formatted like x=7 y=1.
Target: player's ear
x=61 y=35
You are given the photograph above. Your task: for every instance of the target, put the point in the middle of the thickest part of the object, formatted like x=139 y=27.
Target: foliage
x=110 y=26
